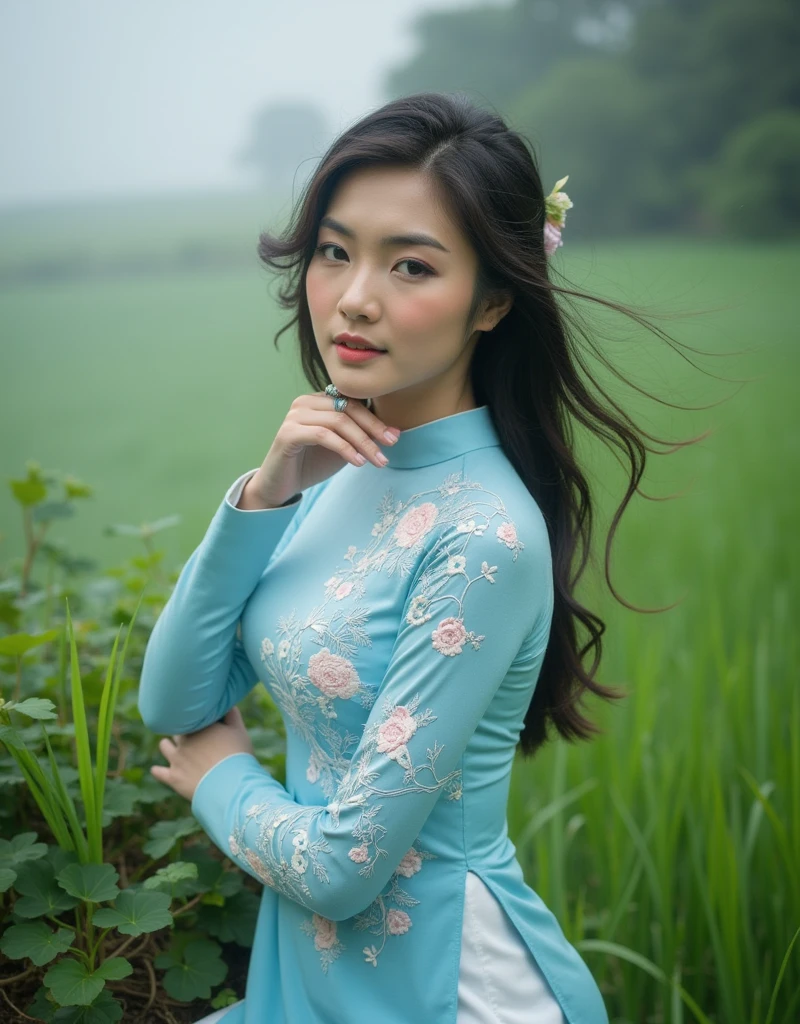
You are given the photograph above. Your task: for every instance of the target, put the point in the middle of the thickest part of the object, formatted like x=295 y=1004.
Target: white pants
x=499 y=981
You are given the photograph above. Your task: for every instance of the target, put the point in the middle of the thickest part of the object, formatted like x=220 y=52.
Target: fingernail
x=391 y=435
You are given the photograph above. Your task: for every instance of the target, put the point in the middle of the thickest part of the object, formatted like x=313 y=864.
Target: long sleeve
x=479 y=602
x=195 y=667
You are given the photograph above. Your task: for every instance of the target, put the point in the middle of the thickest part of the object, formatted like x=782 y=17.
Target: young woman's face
x=409 y=297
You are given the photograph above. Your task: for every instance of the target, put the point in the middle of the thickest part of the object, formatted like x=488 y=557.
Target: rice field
x=669 y=847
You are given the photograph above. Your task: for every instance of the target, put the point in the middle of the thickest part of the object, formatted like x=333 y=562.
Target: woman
x=399 y=573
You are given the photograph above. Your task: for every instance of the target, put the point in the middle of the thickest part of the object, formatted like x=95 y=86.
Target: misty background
x=144 y=146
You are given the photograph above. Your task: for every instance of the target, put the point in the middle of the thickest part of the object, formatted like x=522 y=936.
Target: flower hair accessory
x=556 y=206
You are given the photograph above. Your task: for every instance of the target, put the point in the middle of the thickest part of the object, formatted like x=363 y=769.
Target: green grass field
x=675 y=836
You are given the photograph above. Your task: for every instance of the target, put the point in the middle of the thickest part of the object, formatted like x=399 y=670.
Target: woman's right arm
x=195 y=667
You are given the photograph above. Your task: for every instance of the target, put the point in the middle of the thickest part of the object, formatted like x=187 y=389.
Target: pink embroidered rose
x=343 y=590
x=507 y=534
x=398 y=922
x=260 y=869
x=449 y=636
x=359 y=853
x=410 y=864
x=325 y=932
x=415 y=524
x=396 y=731
x=334 y=675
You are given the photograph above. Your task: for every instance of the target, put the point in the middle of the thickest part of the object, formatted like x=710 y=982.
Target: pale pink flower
x=359 y=853
x=507 y=534
x=334 y=675
x=552 y=237
x=396 y=731
x=398 y=922
x=325 y=932
x=260 y=869
x=415 y=524
x=410 y=864
x=343 y=590
x=449 y=636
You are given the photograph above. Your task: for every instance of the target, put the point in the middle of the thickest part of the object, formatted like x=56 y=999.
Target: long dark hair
x=527 y=372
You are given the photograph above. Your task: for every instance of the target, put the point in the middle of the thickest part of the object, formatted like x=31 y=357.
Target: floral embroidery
x=395 y=733
x=335 y=676
x=410 y=864
x=326 y=940
x=385 y=921
x=413 y=526
x=305 y=687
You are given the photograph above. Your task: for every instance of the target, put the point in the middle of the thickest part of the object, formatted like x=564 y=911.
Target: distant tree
x=286 y=140
x=754 y=187
x=493 y=53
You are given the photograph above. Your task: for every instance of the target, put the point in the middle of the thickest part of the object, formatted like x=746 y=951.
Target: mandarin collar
x=442 y=439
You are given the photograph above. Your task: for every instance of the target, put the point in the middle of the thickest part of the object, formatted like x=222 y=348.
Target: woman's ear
x=494 y=311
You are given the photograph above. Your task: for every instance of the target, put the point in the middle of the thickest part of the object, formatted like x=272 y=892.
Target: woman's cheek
x=426 y=314
x=318 y=295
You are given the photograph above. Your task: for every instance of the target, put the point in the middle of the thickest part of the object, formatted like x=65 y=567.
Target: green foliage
x=66 y=907
x=754 y=188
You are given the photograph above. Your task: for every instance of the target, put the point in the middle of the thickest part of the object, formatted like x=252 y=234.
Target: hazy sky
x=103 y=97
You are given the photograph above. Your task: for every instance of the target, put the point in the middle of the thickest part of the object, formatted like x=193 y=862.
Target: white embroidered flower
x=416 y=611
x=299 y=862
x=417 y=522
x=283 y=648
x=449 y=636
x=300 y=840
x=234 y=846
x=456 y=563
x=467 y=527
x=395 y=732
x=312 y=772
x=487 y=570
x=410 y=864
x=398 y=922
x=343 y=590
x=350 y=552
x=267 y=647
x=359 y=854
x=334 y=581
x=333 y=675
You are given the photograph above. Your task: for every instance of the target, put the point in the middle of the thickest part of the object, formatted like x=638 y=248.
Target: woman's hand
x=314 y=442
x=191 y=756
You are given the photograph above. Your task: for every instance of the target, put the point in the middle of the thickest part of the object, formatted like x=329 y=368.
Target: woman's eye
x=422 y=272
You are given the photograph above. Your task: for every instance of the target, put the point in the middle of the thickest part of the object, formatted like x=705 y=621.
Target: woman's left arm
x=480 y=602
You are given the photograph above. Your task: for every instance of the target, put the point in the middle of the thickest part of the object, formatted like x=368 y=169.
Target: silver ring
x=339 y=401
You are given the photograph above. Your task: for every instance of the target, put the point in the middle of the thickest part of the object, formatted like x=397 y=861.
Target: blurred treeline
x=668 y=115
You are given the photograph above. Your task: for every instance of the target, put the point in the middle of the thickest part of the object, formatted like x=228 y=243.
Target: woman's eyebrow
x=416 y=238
